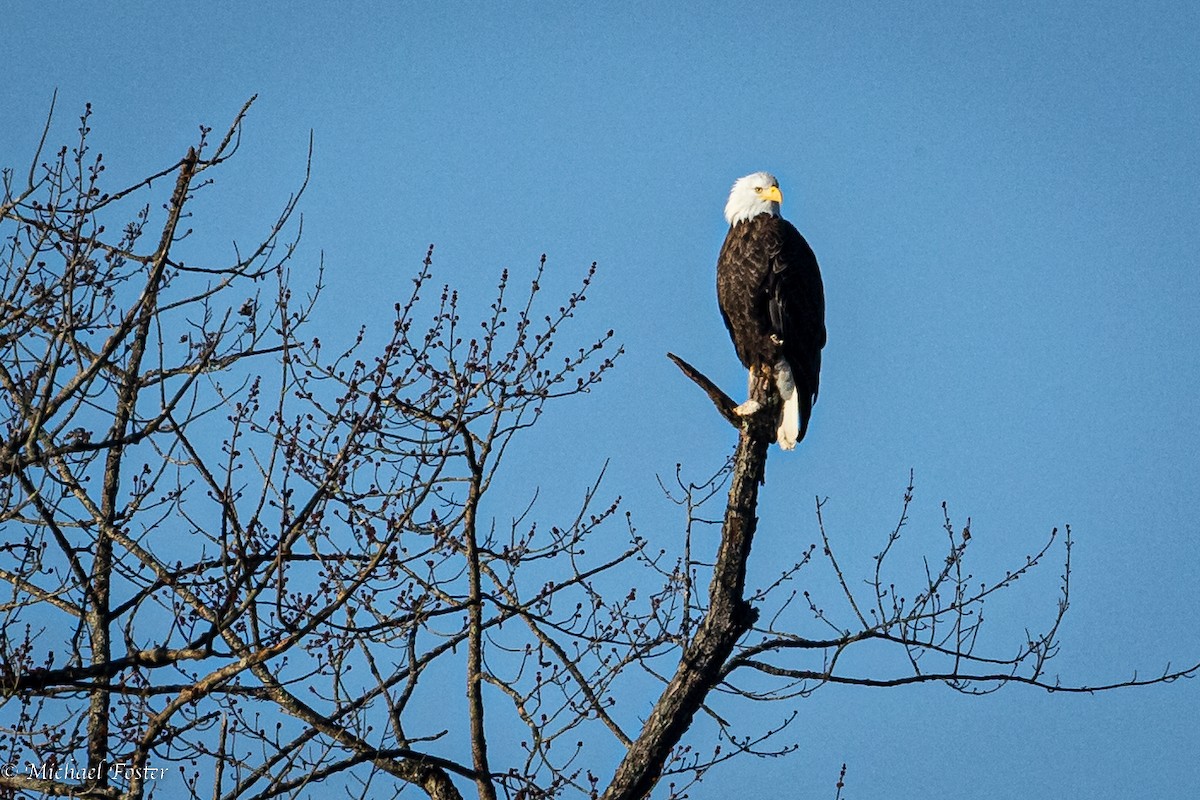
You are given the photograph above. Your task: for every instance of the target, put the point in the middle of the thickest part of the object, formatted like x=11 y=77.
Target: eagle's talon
x=747 y=408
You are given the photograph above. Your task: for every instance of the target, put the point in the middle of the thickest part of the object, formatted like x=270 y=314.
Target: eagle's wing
x=740 y=279
x=796 y=304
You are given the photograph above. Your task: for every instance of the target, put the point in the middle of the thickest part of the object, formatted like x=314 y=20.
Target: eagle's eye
x=758 y=189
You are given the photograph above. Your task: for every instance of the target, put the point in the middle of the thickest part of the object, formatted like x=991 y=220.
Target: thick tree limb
x=729 y=616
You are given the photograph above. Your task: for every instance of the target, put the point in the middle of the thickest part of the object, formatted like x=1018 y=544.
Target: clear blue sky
x=1004 y=198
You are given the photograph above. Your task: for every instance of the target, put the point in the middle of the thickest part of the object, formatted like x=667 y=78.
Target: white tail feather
x=788 y=431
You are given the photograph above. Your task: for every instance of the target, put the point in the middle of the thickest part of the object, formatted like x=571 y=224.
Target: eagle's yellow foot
x=747 y=408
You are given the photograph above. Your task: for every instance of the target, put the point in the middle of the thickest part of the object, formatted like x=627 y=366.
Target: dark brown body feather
x=769 y=285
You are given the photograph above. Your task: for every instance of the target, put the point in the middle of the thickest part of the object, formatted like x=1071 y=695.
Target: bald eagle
x=771 y=297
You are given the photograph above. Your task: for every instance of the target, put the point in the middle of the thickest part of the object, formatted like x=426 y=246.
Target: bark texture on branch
x=724 y=403
x=729 y=616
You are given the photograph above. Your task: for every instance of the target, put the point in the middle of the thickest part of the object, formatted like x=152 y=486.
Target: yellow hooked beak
x=773 y=194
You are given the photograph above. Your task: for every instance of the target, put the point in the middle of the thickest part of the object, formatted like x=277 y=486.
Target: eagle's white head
x=755 y=194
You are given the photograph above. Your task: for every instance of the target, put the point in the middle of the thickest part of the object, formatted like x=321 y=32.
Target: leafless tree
x=243 y=563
